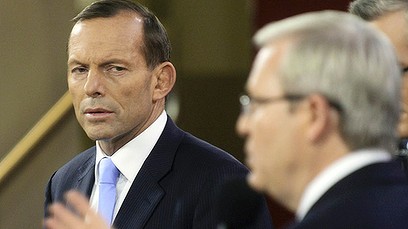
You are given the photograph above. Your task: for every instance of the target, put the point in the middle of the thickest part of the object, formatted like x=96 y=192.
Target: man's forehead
x=124 y=18
x=124 y=25
x=262 y=77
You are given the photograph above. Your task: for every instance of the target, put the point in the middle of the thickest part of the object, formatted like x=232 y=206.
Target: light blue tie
x=108 y=175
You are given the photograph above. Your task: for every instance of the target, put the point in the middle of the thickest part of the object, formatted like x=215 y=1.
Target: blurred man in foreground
x=320 y=122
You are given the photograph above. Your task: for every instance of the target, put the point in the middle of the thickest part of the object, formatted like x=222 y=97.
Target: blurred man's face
x=272 y=131
x=395 y=26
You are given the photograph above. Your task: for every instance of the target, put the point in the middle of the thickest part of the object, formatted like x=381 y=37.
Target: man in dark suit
x=119 y=74
x=320 y=120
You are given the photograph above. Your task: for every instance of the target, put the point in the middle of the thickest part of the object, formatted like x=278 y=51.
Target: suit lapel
x=145 y=193
x=139 y=204
x=86 y=175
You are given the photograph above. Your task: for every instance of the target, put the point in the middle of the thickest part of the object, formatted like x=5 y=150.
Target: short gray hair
x=370 y=10
x=342 y=58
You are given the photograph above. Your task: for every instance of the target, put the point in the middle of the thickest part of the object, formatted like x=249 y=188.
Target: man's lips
x=97 y=112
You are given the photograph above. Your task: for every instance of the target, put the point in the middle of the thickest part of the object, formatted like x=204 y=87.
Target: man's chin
x=254 y=182
x=97 y=137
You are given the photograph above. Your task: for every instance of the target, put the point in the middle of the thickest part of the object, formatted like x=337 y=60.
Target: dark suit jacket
x=175 y=188
x=375 y=196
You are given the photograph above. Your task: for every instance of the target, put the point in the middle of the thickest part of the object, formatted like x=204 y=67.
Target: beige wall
x=212 y=54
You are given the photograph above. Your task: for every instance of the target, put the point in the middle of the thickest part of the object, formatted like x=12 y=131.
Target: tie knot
x=108 y=173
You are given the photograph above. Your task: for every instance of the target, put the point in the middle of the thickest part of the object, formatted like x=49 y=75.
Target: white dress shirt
x=128 y=159
x=334 y=173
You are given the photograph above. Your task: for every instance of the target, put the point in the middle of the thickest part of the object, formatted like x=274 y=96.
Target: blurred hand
x=84 y=218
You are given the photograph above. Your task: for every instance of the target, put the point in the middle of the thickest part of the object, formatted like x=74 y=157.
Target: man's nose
x=94 y=85
x=241 y=126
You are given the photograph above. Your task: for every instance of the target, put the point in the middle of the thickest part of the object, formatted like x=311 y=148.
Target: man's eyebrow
x=74 y=61
x=113 y=61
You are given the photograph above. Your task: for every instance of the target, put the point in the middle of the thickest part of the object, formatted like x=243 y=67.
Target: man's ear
x=321 y=120
x=165 y=78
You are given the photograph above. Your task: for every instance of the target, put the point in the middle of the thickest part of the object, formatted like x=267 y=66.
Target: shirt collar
x=130 y=157
x=334 y=173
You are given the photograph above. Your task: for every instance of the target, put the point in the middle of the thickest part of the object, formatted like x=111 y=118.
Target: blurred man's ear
x=322 y=118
